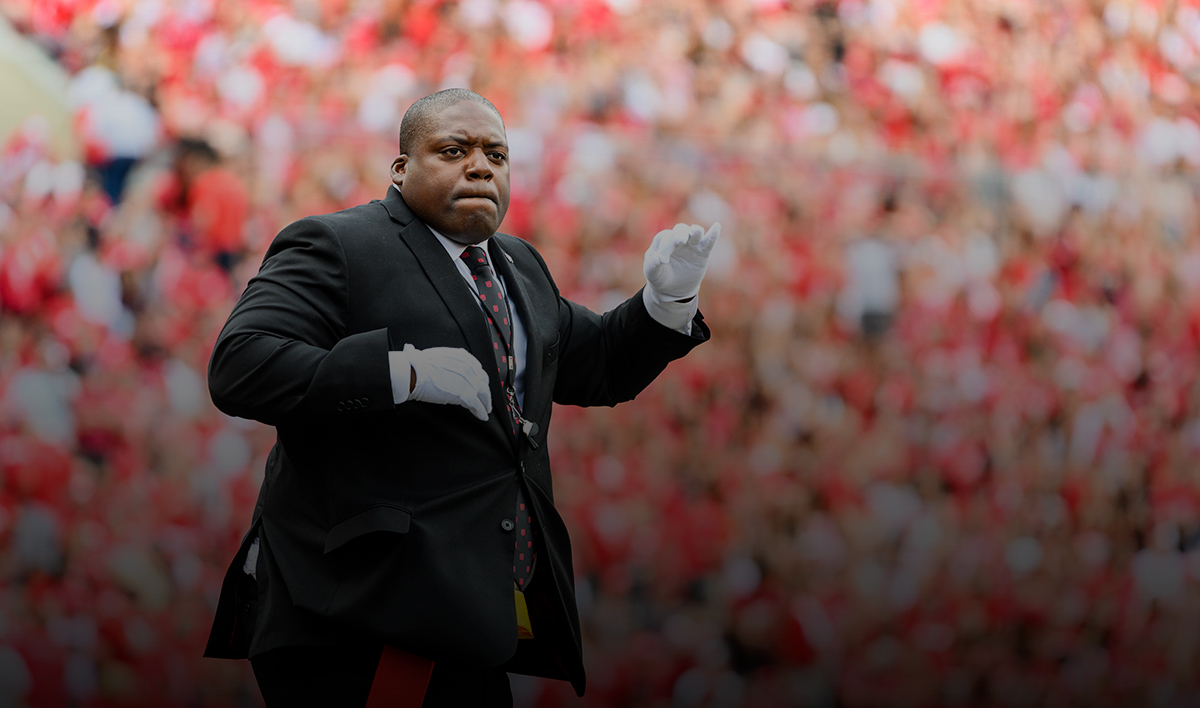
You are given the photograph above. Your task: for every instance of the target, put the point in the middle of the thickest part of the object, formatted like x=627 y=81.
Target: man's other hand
x=448 y=375
x=677 y=259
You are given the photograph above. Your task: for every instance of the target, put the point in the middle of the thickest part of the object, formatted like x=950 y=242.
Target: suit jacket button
x=507 y=525
x=358 y=403
x=341 y=406
x=366 y=402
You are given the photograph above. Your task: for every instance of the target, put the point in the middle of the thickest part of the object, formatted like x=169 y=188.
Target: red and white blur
x=943 y=449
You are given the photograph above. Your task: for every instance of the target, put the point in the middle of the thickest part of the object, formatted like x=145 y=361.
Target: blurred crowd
x=941 y=450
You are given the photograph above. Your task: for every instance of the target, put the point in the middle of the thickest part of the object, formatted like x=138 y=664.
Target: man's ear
x=399 y=165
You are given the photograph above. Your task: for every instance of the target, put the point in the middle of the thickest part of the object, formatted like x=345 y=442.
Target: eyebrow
x=462 y=139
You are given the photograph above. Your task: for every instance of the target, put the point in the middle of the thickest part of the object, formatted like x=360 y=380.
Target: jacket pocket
x=380 y=517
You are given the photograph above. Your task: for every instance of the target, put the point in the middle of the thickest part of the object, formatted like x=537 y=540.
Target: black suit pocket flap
x=378 y=518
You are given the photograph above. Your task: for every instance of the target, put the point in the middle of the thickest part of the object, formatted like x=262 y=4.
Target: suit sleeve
x=284 y=355
x=608 y=359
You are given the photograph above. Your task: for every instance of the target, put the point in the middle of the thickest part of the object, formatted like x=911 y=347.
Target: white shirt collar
x=454 y=248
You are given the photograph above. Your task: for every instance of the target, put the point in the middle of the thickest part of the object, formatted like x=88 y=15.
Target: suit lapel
x=448 y=282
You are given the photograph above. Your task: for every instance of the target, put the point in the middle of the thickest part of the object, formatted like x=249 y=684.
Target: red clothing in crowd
x=217 y=208
x=213 y=211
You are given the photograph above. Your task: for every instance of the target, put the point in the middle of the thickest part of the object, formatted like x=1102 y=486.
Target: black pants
x=340 y=677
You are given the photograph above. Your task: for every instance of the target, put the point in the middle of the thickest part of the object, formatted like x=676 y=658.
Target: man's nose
x=478 y=166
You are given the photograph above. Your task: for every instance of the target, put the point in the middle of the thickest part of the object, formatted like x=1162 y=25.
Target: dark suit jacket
x=384 y=521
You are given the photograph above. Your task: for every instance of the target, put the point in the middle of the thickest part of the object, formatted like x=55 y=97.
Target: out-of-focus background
x=941 y=451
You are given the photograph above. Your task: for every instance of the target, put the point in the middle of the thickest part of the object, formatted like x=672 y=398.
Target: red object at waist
x=400 y=680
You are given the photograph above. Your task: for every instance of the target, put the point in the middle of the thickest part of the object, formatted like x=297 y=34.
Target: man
x=210 y=202
x=408 y=355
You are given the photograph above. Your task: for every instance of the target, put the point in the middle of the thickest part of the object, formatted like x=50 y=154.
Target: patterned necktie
x=496 y=310
x=500 y=326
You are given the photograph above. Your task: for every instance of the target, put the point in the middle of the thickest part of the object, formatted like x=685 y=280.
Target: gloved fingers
x=709 y=239
x=484 y=400
x=466 y=391
x=449 y=375
x=662 y=246
x=476 y=395
x=679 y=236
x=472 y=370
x=653 y=266
x=478 y=402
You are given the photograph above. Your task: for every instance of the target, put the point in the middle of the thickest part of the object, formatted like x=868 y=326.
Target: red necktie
x=500 y=326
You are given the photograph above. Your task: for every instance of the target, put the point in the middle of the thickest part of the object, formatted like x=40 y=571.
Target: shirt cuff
x=250 y=566
x=668 y=313
x=401 y=374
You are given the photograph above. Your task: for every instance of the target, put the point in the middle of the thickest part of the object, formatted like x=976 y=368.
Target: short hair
x=420 y=114
x=196 y=147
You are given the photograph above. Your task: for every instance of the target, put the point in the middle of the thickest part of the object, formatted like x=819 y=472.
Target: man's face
x=456 y=177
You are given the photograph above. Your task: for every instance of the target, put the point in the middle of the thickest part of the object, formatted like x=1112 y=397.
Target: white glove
x=677 y=259
x=445 y=375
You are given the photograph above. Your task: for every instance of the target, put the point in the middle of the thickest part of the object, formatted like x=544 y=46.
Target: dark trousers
x=340 y=677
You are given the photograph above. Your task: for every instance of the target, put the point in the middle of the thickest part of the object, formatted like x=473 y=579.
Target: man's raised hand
x=677 y=259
